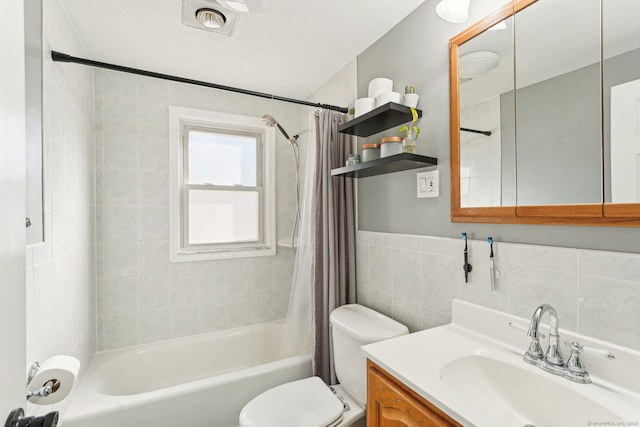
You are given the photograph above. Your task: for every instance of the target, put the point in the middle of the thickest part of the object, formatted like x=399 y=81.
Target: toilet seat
x=308 y=402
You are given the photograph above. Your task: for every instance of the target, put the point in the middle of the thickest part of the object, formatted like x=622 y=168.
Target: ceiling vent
x=208 y=15
x=477 y=63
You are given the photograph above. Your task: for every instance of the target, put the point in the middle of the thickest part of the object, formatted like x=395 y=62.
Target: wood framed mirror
x=545 y=115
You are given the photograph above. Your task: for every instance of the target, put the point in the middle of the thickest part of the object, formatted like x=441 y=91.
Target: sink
x=472 y=369
x=518 y=397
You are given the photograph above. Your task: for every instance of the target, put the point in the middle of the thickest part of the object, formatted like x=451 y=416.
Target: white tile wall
x=480 y=155
x=415 y=278
x=61 y=276
x=141 y=296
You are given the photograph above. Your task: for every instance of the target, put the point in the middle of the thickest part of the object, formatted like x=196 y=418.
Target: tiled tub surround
x=142 y=297
x=414 y=279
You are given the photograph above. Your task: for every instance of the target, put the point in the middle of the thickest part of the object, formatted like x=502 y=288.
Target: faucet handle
x=575 y=369
x=525 y=329
x=576 y=346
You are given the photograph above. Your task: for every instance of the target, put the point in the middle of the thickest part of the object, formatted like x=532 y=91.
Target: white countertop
x=418 y=359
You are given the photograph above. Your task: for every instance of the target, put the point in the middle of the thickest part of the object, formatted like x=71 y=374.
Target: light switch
x=428 y=184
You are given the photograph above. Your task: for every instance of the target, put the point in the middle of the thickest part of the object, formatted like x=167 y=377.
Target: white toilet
x=310 y=402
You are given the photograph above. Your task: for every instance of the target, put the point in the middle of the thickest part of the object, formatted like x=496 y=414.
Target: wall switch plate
x=428 y=184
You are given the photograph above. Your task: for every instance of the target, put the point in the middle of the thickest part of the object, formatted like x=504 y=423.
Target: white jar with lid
x=390 y=146
x=370 y=152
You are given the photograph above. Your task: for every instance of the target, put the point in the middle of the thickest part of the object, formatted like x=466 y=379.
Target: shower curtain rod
x=483 y=132
x=63 y=57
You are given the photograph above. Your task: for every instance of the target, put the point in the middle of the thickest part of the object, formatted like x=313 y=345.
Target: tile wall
x=415 y=278
x=61 y=274
x=481 y=155
x=141 y=296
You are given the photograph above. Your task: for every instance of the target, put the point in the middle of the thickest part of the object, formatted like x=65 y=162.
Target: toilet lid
x=308 y=402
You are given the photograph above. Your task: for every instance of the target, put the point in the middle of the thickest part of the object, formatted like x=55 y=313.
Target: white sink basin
x=519 y=397
x=472 y=369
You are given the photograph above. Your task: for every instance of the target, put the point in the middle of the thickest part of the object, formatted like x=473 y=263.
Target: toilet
x=310 y=402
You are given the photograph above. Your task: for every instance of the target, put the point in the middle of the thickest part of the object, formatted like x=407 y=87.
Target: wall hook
x=466 y=267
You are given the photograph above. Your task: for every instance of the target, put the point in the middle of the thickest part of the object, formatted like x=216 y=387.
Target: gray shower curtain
x=334 y=272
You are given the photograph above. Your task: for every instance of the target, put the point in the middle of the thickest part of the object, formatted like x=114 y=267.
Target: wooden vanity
x=392 y=404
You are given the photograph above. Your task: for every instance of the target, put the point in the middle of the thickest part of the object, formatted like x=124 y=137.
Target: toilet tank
x=353 y=326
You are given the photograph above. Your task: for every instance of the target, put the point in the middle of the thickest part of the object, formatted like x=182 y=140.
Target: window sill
x=212 y=255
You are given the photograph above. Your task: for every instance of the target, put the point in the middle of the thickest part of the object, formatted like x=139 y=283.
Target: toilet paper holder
x=52 y=381
x=49 y=387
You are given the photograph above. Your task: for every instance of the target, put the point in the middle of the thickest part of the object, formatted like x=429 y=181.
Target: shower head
x=271 y=122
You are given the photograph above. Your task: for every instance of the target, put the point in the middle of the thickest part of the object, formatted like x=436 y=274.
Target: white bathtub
x=200 y=381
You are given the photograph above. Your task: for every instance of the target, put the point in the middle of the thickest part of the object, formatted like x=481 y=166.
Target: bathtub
x=199 y=381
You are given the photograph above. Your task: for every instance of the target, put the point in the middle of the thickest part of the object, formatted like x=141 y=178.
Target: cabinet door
x=391 y=404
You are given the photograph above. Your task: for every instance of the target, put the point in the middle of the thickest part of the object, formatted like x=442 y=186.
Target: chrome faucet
x=552 y=361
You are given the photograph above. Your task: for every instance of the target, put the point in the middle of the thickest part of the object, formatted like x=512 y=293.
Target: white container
x=370 y=152
x=410 y=100
x=390 y=146
x=380 y=85
x=364 y=105
x=386 y=97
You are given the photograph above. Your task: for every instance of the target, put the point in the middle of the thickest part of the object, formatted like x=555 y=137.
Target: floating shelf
x=382 y=118
x=395 y=163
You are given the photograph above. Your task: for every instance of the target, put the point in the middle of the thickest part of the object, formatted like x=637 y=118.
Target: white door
x=625 y=142
x=12 y=209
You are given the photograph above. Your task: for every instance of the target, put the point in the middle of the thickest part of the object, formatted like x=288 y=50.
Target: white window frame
x=181 y=118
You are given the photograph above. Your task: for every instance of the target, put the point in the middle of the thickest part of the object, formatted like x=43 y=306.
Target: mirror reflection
x=621 y=81
x=545 y=146
x=557 y=103
x=486 y=104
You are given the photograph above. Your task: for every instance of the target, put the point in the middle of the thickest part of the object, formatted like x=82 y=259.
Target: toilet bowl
x=310 y=402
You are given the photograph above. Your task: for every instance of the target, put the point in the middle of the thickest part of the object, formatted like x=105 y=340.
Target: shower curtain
x=324 y=272
x=334 y=281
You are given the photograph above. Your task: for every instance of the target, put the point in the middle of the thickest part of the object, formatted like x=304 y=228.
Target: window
x=222 y=186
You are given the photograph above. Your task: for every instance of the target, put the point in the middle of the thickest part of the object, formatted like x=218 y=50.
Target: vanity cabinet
x=392 y=404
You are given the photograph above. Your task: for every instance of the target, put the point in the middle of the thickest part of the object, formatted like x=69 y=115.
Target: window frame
x=182 y=120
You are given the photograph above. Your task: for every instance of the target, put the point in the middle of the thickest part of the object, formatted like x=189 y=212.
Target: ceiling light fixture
x=210 y=18
x=454 y=11
x=245 y=6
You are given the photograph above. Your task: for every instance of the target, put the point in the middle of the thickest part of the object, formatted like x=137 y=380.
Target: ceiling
x=289 y=50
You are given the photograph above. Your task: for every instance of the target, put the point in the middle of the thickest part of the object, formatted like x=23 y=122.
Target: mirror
x=486 y=101
x=33 y=128
x=621 y=92
x=557 y=103
x=530 y=139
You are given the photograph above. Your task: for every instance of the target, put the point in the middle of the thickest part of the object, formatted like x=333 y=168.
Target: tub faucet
x=552 y=361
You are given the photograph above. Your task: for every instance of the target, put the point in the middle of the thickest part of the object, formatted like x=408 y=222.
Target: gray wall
x=416 y=52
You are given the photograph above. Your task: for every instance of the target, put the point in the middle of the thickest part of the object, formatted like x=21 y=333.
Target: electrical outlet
x=428 y=184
